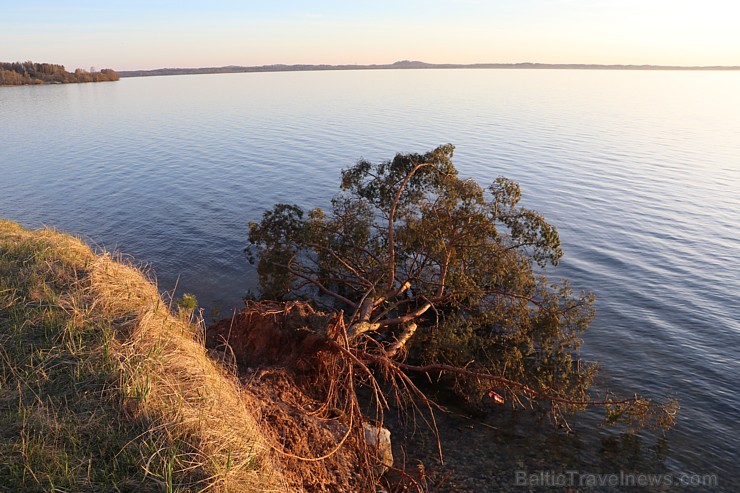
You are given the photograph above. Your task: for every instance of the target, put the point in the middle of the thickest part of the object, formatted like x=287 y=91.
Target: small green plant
x=186 y=304
x=215 y=313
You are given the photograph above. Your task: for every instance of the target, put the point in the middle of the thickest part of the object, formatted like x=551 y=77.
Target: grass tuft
x=102 y=388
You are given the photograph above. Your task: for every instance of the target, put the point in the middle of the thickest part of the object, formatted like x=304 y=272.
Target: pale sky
x=139 y=34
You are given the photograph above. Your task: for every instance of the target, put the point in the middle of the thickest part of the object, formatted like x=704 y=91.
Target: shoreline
x=407 y=65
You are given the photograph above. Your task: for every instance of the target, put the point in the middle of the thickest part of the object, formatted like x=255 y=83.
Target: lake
x=639 y=171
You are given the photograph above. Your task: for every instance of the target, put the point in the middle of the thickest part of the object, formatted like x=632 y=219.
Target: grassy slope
x=103 y=389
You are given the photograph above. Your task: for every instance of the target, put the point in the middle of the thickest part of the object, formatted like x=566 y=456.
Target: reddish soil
x=283 y=360
x=266 y=335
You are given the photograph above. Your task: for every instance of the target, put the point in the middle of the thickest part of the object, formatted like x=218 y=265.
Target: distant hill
x=30 y=73
x=404 y=64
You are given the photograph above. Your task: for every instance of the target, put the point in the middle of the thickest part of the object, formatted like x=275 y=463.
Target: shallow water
x=640 y=172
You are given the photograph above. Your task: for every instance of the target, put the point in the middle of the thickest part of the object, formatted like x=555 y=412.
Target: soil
x=281 y=356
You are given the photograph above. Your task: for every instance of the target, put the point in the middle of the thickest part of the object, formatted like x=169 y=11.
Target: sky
x=140 y=34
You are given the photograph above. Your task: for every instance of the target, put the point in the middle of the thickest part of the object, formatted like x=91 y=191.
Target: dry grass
x=102 y=388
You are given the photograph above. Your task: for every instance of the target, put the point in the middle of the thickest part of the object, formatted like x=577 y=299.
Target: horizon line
x=410 y=64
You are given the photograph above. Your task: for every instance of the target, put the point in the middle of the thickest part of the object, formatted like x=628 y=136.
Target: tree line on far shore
x=30 y=73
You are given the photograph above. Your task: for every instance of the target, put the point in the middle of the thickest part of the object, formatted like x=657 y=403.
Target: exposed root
x=306 y=372
x=298 y=364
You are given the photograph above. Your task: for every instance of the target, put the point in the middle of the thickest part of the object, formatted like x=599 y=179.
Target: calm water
x=640 y=171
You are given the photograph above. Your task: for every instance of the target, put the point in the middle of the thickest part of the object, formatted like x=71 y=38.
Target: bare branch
x=405 y=318
x=318 y=284
x=402 y=339
x=527 y=391
x=391 y=218
x=339 y=259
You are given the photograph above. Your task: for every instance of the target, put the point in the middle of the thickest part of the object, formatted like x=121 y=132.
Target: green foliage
x=423 y=260
x=186 y=306
x=187 y=302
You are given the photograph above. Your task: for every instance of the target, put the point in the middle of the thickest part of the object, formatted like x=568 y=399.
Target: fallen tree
x=414 y=260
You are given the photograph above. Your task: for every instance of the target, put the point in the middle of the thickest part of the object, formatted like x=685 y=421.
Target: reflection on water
x=640 y=171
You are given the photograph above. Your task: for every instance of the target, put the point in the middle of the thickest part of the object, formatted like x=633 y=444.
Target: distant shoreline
x=232 y=69
x=31 y=73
